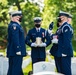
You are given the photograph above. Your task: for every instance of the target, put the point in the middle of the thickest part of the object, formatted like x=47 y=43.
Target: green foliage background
x=31 y=10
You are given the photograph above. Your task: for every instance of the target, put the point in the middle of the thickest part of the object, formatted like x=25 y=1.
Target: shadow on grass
x=27 y=69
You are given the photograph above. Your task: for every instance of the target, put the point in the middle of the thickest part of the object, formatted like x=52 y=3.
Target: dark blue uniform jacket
x=64 y=46
x=37 y=52
x=16 y=40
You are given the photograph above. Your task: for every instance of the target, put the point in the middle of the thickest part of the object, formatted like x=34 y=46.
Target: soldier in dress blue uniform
x=37 y=51
x=63 y=53
x=16 y=44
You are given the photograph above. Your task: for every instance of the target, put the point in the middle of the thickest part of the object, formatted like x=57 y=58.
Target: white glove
x=42 y=45
x=33 y=45
x=50 y=31
x=55 y=40
x=18 y=53
x=64 y=55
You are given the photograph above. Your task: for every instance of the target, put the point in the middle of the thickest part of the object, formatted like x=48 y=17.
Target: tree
x=29 y=10
x=3 y=37
x=52 y=8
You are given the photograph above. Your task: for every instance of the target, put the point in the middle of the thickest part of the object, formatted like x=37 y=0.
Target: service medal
x=42 y=34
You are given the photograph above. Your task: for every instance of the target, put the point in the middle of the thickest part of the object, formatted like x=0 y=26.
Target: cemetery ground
x=29 y=67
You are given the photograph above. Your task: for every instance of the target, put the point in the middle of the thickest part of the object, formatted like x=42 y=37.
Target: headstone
x=43 y=66
x=29 y=53
x=3 y=65
x=73 y=66
x=47 y=73
x=26 y=62
x=50 y=59
x=47 y=52
x=1 y=54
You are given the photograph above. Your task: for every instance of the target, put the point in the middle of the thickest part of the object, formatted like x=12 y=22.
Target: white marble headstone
x=43 y=66
x=73 y=66
x=3 y=65
x=26 y=62
x=47 y=73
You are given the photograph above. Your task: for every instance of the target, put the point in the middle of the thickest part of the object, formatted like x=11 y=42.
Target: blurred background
x=47 y=9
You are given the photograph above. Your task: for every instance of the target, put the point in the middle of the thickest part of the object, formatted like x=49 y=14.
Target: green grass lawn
x=27 y=69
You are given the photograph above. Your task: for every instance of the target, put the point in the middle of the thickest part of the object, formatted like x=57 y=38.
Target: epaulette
x=68 y=27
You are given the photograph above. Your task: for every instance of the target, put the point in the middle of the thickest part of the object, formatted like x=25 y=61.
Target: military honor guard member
x=38 y=40
x=16 y=49
x=63 y=53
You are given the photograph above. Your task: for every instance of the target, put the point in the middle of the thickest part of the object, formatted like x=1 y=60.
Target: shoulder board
x=14 y=24
x=68 y=27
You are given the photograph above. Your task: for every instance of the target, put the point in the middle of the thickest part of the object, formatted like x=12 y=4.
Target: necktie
x=37 y=30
